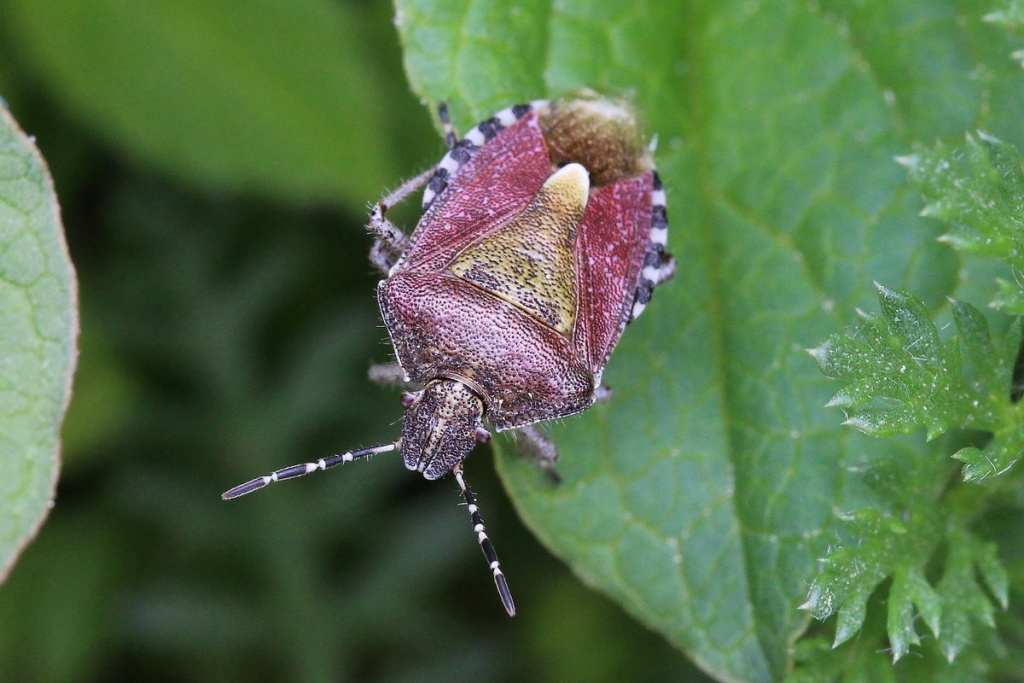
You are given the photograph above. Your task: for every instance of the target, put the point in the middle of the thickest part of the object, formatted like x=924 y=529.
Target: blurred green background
x=214 y=161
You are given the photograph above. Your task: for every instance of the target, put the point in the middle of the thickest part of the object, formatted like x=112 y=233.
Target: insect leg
x=306 y=468
x=390 y=375
x=390 y=242
x=485 y=543
x=538 y=447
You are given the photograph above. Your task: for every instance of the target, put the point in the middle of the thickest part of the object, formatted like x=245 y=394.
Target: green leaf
x=701 y=495
x=998 y=456
x=860 y=661
x=979 y=191
x=880 y=547
x=966 y=601
x=899 y=375
x=275 y=97
x=38 y=328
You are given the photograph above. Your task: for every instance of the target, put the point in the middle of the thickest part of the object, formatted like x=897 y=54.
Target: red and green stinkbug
x=542 y=236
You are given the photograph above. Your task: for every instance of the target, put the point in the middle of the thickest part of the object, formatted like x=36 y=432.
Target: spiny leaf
x=979 y=191
x=997 y=458
x=880 y=547
x=38 y=328
x=965 y=599
x=899 y=375
x=986 y=558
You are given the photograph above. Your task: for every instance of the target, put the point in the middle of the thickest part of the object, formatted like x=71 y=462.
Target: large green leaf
x=702 y=495
x=38 y=328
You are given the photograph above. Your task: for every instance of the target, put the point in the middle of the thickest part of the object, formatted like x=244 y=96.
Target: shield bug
x=542 y=236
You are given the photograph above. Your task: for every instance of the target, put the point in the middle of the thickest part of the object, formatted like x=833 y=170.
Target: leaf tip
x=987 y=137
x=860 y=424
x=820 y=352
x=908 y=161
x=840 y=400
x=883 y=291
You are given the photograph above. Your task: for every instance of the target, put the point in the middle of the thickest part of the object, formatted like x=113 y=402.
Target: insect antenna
x=485 y=543
x=303 y=469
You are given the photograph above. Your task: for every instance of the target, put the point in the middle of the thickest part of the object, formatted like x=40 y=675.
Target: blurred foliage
x=214 y=162
x=223 y=97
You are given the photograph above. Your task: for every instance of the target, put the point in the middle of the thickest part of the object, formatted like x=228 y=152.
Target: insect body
x=543 y=234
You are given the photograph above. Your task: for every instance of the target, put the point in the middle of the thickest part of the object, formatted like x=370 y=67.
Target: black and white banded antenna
x=303 y=469
x=485 y=542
